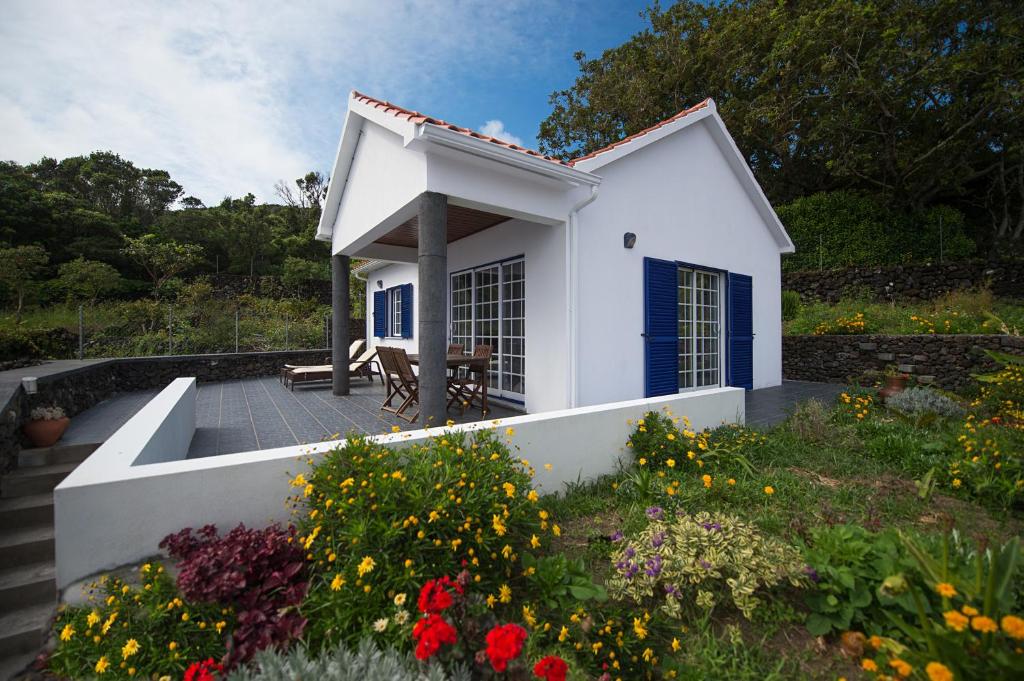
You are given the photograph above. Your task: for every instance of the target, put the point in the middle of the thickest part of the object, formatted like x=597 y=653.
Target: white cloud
x=231 y=96
x=495 y=128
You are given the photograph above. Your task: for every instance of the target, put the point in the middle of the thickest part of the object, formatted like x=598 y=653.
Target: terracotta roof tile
x=417 y=118
x=681 y=114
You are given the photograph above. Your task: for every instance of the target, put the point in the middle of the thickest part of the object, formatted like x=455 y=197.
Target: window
x=395 y=312
x=488 y=307
x=699 y=329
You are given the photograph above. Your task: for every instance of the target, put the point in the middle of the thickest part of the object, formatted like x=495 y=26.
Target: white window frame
x=694 y=337
x=394 y=312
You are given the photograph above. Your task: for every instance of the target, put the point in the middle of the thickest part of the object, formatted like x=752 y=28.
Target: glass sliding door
x=700 y=344
x=488 y=307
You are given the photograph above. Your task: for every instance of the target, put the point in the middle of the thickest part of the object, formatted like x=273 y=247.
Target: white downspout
x=571 y=286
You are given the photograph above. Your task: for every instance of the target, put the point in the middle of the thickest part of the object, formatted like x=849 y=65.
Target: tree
x=87 y=280
x=918 y=101
x=247 y=230
x=19 y=267
x=161 y=259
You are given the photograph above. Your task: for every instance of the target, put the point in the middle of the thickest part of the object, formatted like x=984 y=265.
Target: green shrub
x=790 y=305
x=844 y=228
x=1002 y=392
x=21 y=343
x=366 y=663
x=916 y=401
x=698 y=560
x=378 y=522
x=137 y=631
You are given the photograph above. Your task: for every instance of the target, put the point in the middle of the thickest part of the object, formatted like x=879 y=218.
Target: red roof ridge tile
x=630 y=138
x=418 y=118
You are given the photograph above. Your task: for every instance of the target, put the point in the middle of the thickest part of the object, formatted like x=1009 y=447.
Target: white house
x=645 y=268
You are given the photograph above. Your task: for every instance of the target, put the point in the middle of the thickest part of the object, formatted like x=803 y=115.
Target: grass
x=826 y=468
x=959 y=312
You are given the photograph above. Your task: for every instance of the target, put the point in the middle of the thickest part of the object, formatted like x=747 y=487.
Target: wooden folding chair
x=471 y=388
x=401 y=383
x=456 y=348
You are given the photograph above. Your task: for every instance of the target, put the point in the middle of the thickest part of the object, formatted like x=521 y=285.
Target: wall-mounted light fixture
x=30 y=385
x=629 y=240
x=380 y=283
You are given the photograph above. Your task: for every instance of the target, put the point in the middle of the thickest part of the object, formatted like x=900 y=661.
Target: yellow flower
x=172 y=646
x=707 y=480
x=731 y=481
x=985 y=625
x=499 y=526
x=945 y=589
x=676 y=645
x=184 y=617
x=1013 y=626
x=528 y=616
x=901 y=667
x=491 y=600
x=67 y=632
x=563 y=634
x=366 y=565
x=639 y=628
x=102 y=665
x=648 y=654
x=671 y=436
x=109 y=622
x=969 y=611
x=510 y=489
x=92 y=619
x=556 y=530
x=337 y=582
x=510 y=431
x=868 y=665
x=671 y=463
x=642 y=461
x=955 y=620
x=533 y=496
x=130 y=648
x=769 y=490
x=505 y=593
x=534 y=541
x=506 y=551
x=220 y=626
x=548 y=466
x=938 y=672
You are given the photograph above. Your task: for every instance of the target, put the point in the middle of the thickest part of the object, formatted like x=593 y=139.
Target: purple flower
x=617 y=536
x=671 y=590
x=704 y=564
x=712 y=527
x=812 y=574
x=631 y=570
x=630 y=552
x=653 y=567
x=658 y=539
x=655 y=512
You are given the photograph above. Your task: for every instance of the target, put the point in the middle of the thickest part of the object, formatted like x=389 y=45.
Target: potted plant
x=46 y=425
x=895 y=382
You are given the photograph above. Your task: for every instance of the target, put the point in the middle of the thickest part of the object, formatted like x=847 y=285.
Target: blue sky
x=230 y=97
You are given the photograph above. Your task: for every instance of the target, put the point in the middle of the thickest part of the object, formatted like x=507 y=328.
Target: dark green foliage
x=790 y=305
x=19 y=343
x=836 y=229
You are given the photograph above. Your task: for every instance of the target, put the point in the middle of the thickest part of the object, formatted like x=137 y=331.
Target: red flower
x=504 y=643
x=203 y=671
x=551 y=668
x=430 y=633
x=435 y=596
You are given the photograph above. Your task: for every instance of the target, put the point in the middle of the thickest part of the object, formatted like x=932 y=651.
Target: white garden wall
x=116 y=513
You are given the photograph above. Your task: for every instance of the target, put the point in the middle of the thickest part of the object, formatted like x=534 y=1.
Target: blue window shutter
x=406 y=310
x=380 y=313
x=661 y=327
x=740 y=331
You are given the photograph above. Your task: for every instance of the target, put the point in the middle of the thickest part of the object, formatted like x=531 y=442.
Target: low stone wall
x=945 y=360
x=79 y=389
x=908 y=282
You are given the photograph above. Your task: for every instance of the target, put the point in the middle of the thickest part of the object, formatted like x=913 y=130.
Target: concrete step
x=13 y=667
x=34 y=480
x=31 y=509
x=57 y=454
x=22 y=546
x=27 y=585
x=25 y=630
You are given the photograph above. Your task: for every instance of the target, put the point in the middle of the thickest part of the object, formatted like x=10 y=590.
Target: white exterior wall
x=684 y=202
x=543 y=251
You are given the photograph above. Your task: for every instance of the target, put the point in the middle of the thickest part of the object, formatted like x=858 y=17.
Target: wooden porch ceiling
x=462 y=222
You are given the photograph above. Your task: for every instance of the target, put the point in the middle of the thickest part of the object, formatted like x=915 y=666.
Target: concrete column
x=432 y=310
x=340 y=313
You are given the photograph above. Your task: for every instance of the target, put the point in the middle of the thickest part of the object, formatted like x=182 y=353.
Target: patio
x=259 y=413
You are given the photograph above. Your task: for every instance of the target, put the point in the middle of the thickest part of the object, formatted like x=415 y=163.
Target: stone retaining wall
x=908 y=282
x=945 y=360
x=79 y=389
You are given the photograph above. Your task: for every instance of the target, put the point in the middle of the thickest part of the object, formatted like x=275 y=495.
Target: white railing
x=115 y=509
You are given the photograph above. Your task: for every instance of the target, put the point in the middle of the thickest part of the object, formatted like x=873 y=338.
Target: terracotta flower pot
x=893 y=385
x=45 y=433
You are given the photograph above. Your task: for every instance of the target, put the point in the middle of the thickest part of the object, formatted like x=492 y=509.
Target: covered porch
x=452 y=203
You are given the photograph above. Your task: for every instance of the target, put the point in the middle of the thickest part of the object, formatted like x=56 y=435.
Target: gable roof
x=630 y=138
x=417 y=118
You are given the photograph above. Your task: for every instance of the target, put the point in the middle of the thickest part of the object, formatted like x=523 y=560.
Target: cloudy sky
x=229 y=97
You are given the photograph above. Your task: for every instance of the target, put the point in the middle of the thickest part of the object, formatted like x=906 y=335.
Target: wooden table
x=453 y=361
